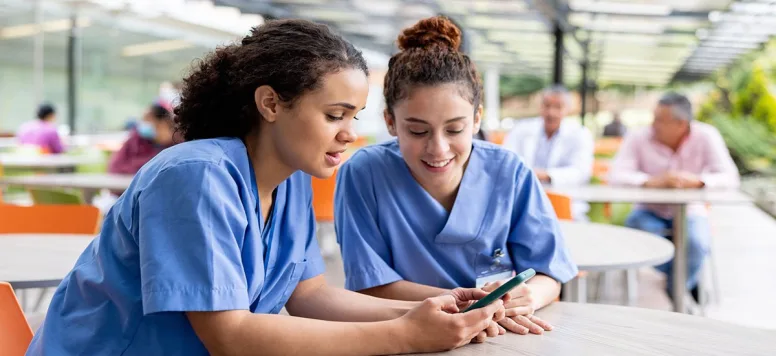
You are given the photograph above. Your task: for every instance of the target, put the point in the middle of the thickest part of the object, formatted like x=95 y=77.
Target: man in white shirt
x=559 y=151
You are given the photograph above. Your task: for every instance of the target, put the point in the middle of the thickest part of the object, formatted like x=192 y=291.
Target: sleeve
x=581 y=168
x=365 y=253
x=535 y=239
x=625 y=166
x=720 y=170
x=315 y=264
x=55 y=143
x=189 y=222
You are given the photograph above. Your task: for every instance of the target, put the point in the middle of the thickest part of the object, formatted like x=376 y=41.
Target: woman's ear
x=267 y=102
x=390 y=123
x=477 y=120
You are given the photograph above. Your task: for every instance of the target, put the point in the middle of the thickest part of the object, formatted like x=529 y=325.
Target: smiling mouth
x=438 y=164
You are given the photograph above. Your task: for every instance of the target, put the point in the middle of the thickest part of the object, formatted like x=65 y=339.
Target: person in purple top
x=42 y=132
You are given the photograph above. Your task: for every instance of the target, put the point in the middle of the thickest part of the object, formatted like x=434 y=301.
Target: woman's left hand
x=520 y=307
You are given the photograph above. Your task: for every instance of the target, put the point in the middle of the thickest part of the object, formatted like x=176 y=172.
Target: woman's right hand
x=437 y=325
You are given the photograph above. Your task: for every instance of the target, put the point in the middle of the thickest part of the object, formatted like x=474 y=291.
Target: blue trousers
x=698 y=239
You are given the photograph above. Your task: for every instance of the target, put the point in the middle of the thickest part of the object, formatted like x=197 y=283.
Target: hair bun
x=435 y=31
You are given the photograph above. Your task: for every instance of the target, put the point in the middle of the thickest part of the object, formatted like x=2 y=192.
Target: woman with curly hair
x=216 y=235
x=435 y=210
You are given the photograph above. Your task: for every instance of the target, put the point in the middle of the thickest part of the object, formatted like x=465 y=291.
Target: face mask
x=146 y=130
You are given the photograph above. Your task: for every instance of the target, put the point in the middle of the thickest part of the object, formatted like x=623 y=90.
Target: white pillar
x=492 y=99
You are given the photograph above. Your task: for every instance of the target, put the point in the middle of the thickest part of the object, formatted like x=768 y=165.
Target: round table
x=601 y=247
x=596 y=329
x=679 y=198
x=39 y=260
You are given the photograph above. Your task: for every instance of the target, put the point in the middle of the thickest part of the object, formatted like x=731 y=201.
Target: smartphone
x=504 y=289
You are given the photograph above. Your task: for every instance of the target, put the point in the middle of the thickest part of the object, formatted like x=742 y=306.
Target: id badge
x=493 y=268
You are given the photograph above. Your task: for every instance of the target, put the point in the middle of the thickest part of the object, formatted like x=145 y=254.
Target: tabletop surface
x=72 y=180
x=46 y=161
x=596 y=329
x=617 y=194
x=36 y=258
x=601 y=247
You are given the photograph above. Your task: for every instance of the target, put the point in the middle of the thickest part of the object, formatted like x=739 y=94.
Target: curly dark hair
x=291 y=56
x=430 y=56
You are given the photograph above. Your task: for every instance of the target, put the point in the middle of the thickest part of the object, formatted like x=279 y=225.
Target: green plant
x=520 y=84
x=750 y=142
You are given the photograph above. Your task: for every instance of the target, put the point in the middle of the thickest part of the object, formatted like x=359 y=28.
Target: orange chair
x=323 y=198
x=562 y=205
x=323 y=205
x=496 y=137
x=49 y=219
x=607 y=146
x=15 y=332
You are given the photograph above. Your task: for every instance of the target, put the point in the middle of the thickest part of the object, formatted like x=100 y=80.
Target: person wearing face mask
x=435 y=209
x=150 y=136
x=559 y=151
x=215 y=235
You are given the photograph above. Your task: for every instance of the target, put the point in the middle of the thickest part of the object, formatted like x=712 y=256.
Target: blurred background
x=101 y=63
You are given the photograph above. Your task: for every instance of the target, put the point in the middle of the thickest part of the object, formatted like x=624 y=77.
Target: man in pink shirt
x=42 y=132
x=675 y=152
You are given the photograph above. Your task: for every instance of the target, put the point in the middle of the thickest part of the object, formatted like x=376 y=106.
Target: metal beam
x=557 y=63
x=555 y=13
x=72 y=102
x=700 y=15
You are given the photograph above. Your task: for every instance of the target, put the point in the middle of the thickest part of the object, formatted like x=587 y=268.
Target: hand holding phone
x=504 y=289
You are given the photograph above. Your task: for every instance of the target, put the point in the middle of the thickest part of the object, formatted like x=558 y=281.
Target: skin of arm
x=369 y=324
x=521 y=303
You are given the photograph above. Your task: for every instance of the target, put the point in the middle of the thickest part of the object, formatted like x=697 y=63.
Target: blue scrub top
x=389 y=228
x=185 y=236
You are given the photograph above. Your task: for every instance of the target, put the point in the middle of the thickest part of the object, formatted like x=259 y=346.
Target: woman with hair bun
x=216 y=235
x=434 y=209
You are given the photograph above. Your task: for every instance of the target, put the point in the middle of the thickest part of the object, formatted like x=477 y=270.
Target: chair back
x=55 y=197
x=323 y=198
x=15 y=332
x=49 y=219
x=561 y=204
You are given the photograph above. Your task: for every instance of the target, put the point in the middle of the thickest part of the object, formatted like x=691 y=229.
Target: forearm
x=337 y=304
x=262 y=334
x=545 y=290
x=404 y=290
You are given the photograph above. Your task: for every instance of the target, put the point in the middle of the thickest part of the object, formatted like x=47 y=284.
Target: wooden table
x=679 y=198
x=602 y=330
x=39 y=260
x=89 y=183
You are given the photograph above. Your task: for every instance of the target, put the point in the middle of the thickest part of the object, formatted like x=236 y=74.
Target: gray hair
x=557 y=89
x=680 y=105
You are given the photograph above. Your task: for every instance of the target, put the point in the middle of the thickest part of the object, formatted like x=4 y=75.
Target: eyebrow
x=416 y=120
x=346 y=106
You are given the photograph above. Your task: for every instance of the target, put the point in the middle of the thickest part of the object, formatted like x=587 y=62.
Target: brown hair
x=291 y=56
x=429 y=56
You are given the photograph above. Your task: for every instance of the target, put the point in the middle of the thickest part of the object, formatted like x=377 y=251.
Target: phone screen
x=504 y=289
